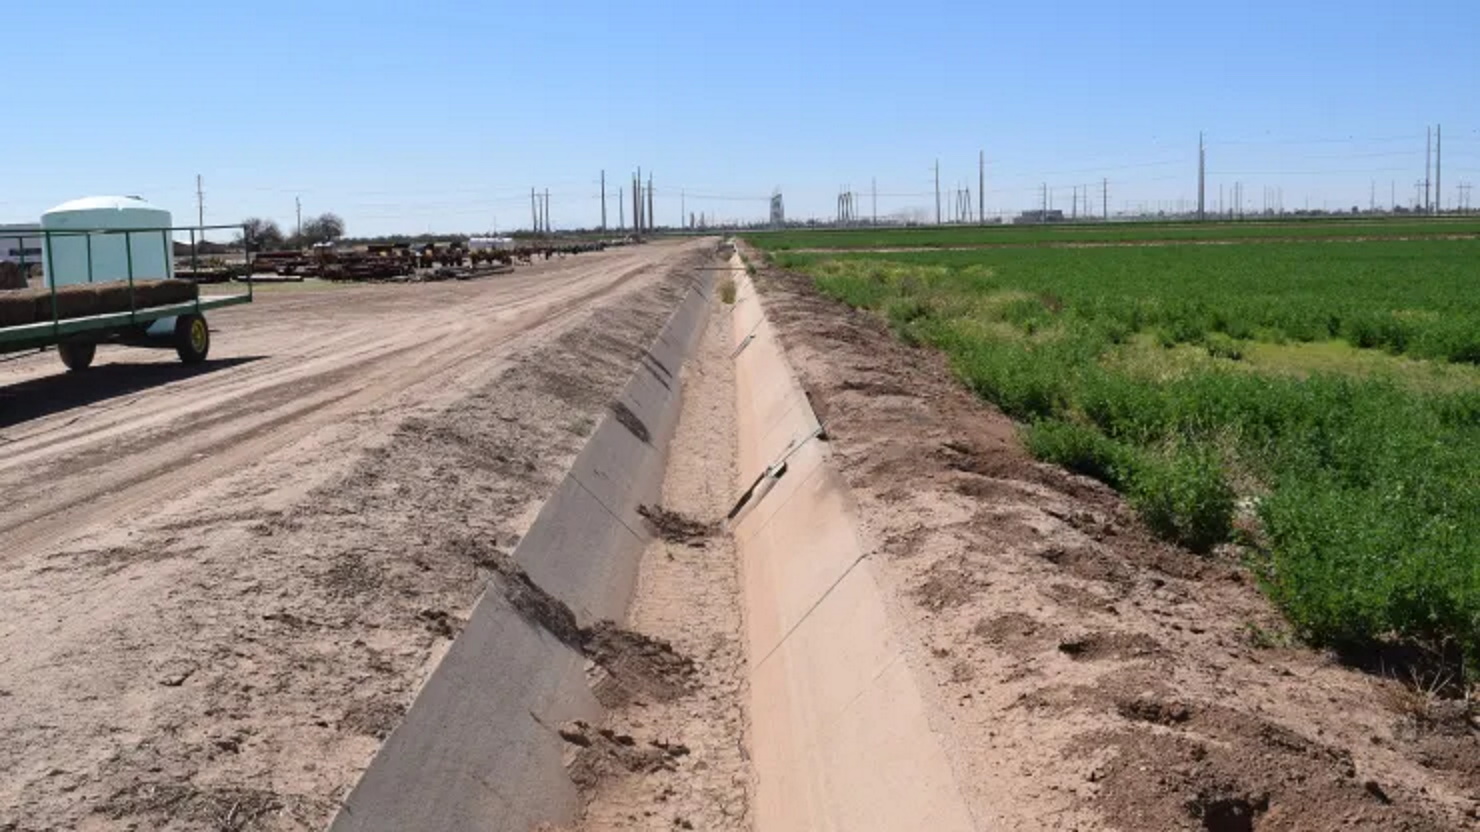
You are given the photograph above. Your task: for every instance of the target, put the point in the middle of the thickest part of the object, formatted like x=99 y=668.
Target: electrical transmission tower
x=846 y=214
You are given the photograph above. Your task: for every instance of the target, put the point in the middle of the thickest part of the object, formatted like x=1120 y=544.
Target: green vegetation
x=1322 y=399
x=1118 y=232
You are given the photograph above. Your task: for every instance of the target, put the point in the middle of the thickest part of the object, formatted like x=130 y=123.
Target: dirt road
x=223 y=585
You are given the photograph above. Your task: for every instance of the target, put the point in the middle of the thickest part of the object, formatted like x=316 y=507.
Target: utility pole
x=981 y=187
x=1043 y=211
x=547 y=210
x=1428 y=152
x=637 y=206
x=298 y=209
x=1438 y=169
x=1201 y=176
x=1105 y=198
x=621 y=211
x=200 y=208
x=652 y=217
x=534 y=213
x=603 y=201
x=937 y=192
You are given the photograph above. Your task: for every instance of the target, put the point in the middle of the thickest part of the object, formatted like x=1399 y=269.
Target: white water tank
x=66 y=256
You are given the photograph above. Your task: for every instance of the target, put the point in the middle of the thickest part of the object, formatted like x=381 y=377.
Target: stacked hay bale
x=80 y=300
x=11 y=276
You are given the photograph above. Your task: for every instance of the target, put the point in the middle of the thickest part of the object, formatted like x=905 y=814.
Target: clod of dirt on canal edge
x=676 y=527
x=603 y=753
x=625 y=666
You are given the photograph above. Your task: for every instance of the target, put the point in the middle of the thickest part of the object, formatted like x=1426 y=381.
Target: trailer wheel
x=192 y=338
x=77 y=356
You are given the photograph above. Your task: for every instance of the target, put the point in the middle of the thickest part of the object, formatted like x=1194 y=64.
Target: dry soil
x=223 y=585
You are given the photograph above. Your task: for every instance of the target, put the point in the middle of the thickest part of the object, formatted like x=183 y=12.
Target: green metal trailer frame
x=129 y=327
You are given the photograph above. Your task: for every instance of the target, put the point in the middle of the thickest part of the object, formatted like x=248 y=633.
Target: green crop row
x=1359 y=494
x=1115 y=232
x=1415 y=298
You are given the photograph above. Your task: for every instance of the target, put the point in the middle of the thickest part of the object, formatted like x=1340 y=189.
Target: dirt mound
x=675 y=527
x=1218 y=769
x=1015 y=632
x=951 y=582
x=1097 y=646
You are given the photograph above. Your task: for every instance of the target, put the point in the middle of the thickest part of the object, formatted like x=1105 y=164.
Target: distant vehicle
x=491 y=244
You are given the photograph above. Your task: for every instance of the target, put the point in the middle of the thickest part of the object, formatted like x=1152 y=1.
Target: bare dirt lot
x=1081 y=673
x=223 y=585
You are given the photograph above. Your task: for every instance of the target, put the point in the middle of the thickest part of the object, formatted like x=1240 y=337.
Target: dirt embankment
x=1082 y=673
x=231 y=657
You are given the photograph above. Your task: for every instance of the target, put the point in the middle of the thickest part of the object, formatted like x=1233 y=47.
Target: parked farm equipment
x=110 y=286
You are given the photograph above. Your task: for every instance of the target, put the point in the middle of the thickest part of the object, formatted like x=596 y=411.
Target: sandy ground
x=688 y=595
x=1082 y=674
x=223 y=585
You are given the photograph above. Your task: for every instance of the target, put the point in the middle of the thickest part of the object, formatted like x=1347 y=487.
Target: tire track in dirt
x=228 y=438
x=234 y=638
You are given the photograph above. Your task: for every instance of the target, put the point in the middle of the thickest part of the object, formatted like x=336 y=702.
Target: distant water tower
x=78 y=257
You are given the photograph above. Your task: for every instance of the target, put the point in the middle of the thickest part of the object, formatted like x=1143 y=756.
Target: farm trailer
x=137 y=311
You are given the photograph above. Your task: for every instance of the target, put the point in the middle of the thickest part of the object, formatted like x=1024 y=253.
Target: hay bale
x=17 y=307
x=83 y=299
x=11 y=276
x=164 y=292
x=80 y=300
x=74 y=301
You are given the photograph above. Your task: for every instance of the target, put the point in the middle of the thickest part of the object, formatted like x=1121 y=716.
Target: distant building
x=778 y=211
x=20 y=243
x=490 y=243
x=1039 y=216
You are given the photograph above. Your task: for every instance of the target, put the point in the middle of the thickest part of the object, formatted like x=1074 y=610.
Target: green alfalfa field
x=1315 y=403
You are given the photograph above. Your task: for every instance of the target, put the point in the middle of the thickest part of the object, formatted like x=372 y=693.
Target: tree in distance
x=260 y=234
x=325 y=228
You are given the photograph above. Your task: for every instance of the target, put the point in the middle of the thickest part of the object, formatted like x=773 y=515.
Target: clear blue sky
x=441 y=115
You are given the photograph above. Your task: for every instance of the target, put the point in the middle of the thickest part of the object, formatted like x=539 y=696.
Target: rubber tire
x=78 y=356
x=192 y=338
